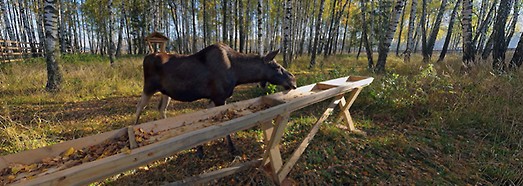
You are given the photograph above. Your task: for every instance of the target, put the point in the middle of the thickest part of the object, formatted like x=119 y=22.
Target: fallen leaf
x=125 y=150
x=69 y=152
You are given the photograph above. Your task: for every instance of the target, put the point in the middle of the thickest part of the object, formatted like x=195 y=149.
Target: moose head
x=277 y=75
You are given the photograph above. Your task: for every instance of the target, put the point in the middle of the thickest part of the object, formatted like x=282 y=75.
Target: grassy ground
x=426 y=123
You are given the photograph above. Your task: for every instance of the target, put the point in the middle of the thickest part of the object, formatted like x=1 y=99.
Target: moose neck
x=249 y=69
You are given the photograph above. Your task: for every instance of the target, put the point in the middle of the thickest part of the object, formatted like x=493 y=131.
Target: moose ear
x=270 y=56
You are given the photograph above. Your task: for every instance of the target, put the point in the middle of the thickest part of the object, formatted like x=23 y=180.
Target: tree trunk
x=423 y=21
x=481 y=31
x=399 y=34
x=111 y=31
x=434 y=32
x=334 y=41
x=512 y=27
x=27 y=29
x=120 y=39
x=54 y=74
x=468 y=47
x=287 y=34
x=224 y=21
x=260 y=33
x=517 y=59
x=194 y=36
x=7 y=21
x=410 y=33
x=366 y=42
x=316 y=36
x=449 y=32
x=330 y=29
x=499 y=46
x=346 y=30
x=241 y=26
x=390 y=29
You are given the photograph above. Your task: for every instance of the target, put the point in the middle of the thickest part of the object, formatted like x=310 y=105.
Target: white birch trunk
x=384 y=45
x=54 y=75
x=287 y=34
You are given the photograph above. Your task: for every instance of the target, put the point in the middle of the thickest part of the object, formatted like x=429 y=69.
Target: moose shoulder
x=211 y=73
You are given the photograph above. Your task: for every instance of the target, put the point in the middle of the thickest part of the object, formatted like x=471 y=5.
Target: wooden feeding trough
x=156 y=41
x=80 y=161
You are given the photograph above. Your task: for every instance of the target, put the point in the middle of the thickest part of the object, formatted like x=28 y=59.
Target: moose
x=211 y=73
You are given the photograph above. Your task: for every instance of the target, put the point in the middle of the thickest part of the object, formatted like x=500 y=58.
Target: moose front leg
x=141 y=105
x=162 y=107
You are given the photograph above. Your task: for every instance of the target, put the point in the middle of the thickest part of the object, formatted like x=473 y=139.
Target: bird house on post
x=156 y=41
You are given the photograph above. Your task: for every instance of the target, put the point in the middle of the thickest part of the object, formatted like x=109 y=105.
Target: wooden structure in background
x=12 y=51
x=156 y=41
x=188 y=130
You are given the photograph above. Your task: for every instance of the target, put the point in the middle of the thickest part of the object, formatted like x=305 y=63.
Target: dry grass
x=426 y=123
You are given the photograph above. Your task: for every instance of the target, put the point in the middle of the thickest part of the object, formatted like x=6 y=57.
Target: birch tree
x=410 y=33
x=499 y=46
x=287 y=34
x=54 y=74
x=111 y=47
x=389 y=29
x=316 y=35
x=517 y=58
x=260 y=23
x=365 y=37
x=449 y=31
x=466 y=23
x=429 y=48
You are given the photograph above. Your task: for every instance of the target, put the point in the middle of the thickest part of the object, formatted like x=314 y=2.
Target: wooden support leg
x=344 y=112
x=267 y=128
x=299 y=151
x=131 y=135
x=273 y=146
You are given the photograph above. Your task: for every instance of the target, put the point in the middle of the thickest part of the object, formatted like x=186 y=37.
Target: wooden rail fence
x=12 y=51
x=185 y=131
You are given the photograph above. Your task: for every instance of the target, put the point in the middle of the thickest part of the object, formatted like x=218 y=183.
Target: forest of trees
x=479 y=29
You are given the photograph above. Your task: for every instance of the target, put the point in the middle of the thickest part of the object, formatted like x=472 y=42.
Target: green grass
x=425 y=123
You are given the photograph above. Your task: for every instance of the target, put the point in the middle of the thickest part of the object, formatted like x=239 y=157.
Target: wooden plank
x=96 y=170
x=305 y=143
x=207 y=177
x=36 y=155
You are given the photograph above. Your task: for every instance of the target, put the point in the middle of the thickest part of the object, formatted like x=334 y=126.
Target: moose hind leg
x=141 y=105
x=162 y=107
x=230 y=144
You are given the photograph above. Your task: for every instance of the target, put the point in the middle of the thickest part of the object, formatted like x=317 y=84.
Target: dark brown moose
x=211 y=73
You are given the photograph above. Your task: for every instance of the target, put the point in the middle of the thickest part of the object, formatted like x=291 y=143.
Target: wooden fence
x=12 y=51
x=171 y=135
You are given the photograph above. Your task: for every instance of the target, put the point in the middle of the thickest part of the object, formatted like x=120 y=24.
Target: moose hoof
x=235 y=152
x=199 y=152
